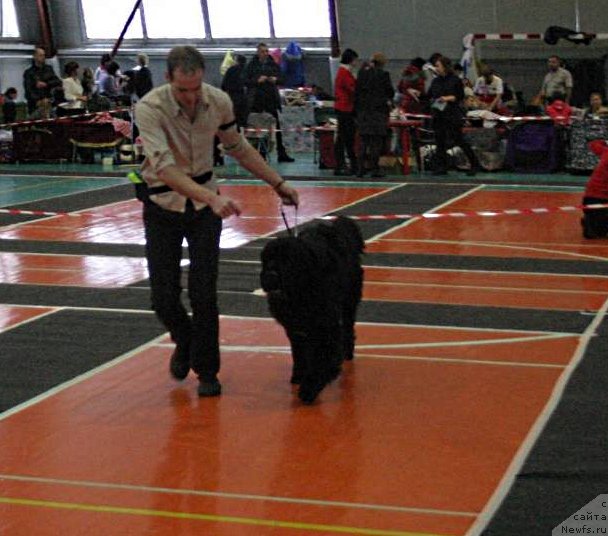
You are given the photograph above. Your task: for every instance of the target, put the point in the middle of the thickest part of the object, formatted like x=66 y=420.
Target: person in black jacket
x=262 y=76
x=373 y=93
x=446 y=94
x=234 y=84
x=39 y=82
x=139 y=78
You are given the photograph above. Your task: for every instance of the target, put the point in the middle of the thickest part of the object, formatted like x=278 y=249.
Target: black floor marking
x=44 y=353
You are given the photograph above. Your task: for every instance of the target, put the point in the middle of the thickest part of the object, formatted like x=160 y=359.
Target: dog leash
x=291 y=231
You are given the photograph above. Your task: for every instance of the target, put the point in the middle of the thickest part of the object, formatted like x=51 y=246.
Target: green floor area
x=15 y=190
x=52 y=179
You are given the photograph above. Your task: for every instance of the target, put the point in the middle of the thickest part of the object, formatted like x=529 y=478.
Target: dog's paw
x=308 y=393
x=296 y=379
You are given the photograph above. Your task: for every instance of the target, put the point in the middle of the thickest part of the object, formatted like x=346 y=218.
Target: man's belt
x=200 y=179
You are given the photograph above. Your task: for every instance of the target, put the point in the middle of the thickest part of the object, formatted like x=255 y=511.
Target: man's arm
x=160 y=157
x=178 y=181
x=238 y=147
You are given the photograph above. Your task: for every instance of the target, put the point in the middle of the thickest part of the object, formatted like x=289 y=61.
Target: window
x=311 y=20
x=10 y=28
x=239 y=18
x=165 y=22
x=105 y=19
x=227 y=19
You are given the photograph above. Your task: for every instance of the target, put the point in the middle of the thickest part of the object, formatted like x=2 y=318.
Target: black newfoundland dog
x=313 y=283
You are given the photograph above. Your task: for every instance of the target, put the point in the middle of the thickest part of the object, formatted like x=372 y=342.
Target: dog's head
x=287 y=267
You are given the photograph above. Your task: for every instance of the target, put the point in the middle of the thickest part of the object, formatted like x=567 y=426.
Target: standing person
x=139 y=79
x=557 y=80
x=373 y=93
x=447 y=93
x=101 y=70
x=234 y=84
x=344 y=105
x=595 y=221
x=411 y=87
x=430 y=73
x=263 y=75
x=39 y=82
x=109 y=83
x=177 y=123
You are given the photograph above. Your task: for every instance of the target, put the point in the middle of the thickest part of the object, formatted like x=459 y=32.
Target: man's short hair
x=260 y=45
x=186 y=58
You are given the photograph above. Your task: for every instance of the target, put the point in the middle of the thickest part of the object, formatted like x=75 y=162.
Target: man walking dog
x=178 y=122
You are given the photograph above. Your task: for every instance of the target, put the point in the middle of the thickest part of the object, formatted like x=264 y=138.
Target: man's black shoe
x=286 y=158
x=210 y=388
x=179 y=365
x=342 y=173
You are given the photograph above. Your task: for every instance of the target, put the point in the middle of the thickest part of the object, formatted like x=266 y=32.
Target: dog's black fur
x=314 y=283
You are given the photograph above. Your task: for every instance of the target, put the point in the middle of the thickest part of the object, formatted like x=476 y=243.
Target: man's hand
x=224 y=207
x=40 y=84
x=288 y=195
x=262 y=79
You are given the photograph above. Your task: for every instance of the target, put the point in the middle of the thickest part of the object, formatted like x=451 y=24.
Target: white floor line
x=461 y=270
x=402 y=346
x=481 y=287
x=28 y=320
x=526 y=446
x=461 y=361
x=594 y=246
x=78 y=379
x=516 y=248
x=435 y=209
x=236 y=496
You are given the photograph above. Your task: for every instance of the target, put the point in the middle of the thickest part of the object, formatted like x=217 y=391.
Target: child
x=595 y=221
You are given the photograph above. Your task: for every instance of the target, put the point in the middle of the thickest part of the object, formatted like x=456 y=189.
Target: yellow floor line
x=206 y=517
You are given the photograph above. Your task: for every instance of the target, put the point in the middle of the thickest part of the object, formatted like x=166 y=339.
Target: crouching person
x=595 y=221
x=177 y=123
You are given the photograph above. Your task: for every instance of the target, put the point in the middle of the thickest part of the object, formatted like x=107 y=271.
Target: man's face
x=262 y=53
x=553 y=64
x=187 y=88
x=39 y=56
x=595 y=101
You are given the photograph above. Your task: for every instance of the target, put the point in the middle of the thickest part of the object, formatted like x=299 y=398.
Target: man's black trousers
x=165 y=232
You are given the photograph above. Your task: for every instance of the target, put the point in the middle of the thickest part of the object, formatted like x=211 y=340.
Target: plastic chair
x=424 y=146
x=260 y=131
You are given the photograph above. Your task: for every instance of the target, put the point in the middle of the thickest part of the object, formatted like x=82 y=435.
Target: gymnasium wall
x=402 y=29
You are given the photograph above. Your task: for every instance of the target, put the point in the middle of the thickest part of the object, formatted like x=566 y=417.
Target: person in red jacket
x=344 y=106
x=595 y=221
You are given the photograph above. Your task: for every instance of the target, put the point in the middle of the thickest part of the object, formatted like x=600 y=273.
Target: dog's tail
x=350 y=233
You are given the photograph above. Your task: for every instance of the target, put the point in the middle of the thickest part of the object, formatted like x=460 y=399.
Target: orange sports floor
x=416 y=438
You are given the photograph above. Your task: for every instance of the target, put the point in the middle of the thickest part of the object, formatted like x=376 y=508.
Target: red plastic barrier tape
x=426 y=215
x=63 y=119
